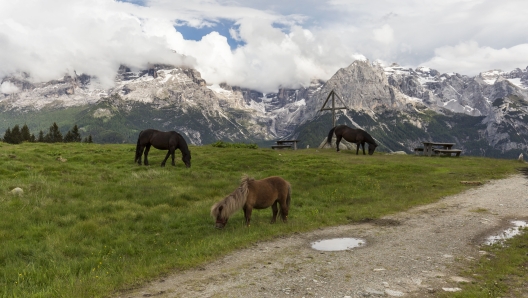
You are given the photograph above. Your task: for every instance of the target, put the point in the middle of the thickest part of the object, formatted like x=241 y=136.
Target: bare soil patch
x=417 y=253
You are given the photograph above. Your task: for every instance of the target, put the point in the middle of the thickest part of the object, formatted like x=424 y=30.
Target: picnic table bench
x=437 y=148
x=285 y=144
x=448 y=151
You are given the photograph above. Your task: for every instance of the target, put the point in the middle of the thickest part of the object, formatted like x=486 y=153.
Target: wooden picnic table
x=285 y=144
x=429 y=147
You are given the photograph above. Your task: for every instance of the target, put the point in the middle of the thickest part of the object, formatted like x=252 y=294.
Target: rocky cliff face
x=179 y=99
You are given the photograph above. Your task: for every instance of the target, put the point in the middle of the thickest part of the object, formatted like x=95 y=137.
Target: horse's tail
x=138 y=154
x=330 y=135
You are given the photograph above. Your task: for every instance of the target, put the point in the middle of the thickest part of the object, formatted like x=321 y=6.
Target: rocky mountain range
x=485 y=115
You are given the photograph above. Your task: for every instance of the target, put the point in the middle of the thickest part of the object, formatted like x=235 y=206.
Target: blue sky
x=259 y=44
x=222 y=27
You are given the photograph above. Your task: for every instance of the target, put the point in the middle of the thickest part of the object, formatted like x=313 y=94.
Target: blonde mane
x=233 y=201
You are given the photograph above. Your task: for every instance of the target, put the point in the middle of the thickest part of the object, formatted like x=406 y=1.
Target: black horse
x=358 y=136
x=163 y=140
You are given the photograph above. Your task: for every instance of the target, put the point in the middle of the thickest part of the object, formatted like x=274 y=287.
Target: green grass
x=97 y=222
x=501 y=272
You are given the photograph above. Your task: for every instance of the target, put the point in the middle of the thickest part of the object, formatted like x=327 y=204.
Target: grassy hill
x=90 y=221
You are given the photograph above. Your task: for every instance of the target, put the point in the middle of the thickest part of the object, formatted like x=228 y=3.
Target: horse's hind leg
x=139 y=154
x=284 y=211
x=147 y=149
x=172 y=155
x=338 y=140
x=275 y=211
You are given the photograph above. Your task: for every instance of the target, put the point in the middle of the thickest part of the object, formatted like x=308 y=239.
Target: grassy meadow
x=92 y=222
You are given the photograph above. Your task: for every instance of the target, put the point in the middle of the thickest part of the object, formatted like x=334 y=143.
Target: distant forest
x=18 y=135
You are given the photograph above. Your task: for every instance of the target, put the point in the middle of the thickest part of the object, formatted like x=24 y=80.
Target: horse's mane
x=233 y=201
x=369 y=138
x=182 y=144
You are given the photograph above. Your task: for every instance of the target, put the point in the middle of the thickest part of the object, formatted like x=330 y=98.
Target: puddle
x=509 y=233
x=338 y=244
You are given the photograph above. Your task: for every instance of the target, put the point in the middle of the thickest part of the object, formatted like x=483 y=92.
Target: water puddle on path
x=338 y=244
x=509 y=233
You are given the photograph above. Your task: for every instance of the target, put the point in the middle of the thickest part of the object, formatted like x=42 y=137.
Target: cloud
x=256 y=44
x=48 y=39
x=385 y=34
x=470 y=58
x=8 y=88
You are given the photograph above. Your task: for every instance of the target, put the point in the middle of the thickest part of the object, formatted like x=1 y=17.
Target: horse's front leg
x=275 y=211
x=166 y=157
x=363 y=145
x=357 y=148
x=147 y=149
x=247 y=214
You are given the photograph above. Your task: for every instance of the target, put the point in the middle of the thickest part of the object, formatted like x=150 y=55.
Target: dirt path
x=417 y=253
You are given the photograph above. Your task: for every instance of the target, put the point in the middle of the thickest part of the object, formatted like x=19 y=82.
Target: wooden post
x=333 y=108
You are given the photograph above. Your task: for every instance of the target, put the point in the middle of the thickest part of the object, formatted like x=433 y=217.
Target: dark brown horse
x=258 y=194
x=163 y=140
x=357 y=136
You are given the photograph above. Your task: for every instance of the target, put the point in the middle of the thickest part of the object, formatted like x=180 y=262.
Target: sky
x=258 y=44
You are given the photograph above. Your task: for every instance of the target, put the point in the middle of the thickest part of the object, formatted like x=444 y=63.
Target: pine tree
x=16 y=135
x=26 y=135
x=41 y=137
x=76 y=136
x=88 y=139
x=54 y=135
x=7 y=135
x=32 y=138
x=68 y=138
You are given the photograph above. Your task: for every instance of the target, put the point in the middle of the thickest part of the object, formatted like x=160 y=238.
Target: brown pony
x=258 y=194
x=358 y=136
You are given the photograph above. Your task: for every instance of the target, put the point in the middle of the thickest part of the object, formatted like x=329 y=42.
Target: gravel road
x=417 y=253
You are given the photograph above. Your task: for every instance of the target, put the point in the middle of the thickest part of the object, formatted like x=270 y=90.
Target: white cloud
x=282 y=43
x=385 y=34
x=469 y=58
x=8 y=88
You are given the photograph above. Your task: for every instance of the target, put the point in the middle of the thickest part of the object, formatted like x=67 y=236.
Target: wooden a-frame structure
x=333 y=108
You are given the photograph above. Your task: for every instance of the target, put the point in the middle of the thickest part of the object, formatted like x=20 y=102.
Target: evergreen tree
x=41 y=137
x=7 y=135
x=68 y=138
x=32 y=138
x=88 y=139
x=75 y=134
x=54 y=135
x=16 y=135
x=26 y=135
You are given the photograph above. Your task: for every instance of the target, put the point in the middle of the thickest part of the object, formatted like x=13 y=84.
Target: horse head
x=221 y=219
x=186 y=158
x=371 y=148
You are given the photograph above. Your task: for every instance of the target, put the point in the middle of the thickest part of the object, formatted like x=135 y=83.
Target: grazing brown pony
x=357 y=136
x=163 y=140
x=258 y=194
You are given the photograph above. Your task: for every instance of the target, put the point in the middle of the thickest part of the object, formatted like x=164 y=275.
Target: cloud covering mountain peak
x=264 y=45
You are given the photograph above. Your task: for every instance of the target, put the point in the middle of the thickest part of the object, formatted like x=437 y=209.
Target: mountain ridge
x=177 y=98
